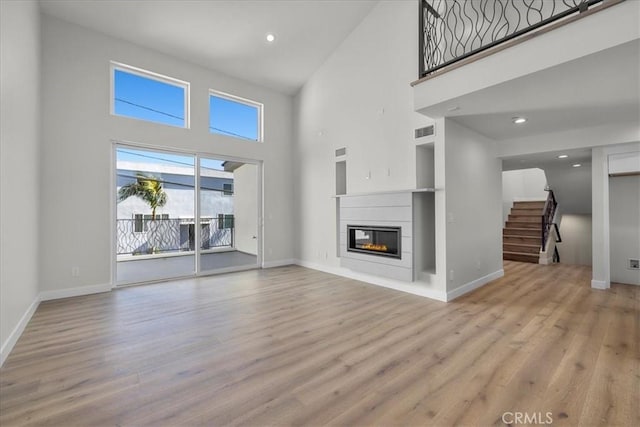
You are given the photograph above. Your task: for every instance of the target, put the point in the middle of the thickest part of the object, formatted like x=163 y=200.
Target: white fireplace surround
x=386 y=210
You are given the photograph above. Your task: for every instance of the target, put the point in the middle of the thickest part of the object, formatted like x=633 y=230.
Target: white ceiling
x=228 y=36
x=597 y=89
x=549 y=160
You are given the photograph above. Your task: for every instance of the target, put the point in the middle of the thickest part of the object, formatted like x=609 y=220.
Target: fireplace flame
x=374 y=247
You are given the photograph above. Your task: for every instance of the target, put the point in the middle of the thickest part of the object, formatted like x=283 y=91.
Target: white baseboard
x=75 y=292
x=408 y=287
x=278 y=263
x=599 y=284
x=475 y=284
x=7 y=346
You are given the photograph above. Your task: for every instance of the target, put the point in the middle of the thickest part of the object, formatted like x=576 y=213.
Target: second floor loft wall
x=451 y=31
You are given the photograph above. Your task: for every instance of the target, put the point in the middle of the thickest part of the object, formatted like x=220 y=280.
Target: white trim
x=8 y=345
x=475 y=284
x=411 y=288
x=278 y=263
x=378 y=193
x=599 y=284
x=75 y=292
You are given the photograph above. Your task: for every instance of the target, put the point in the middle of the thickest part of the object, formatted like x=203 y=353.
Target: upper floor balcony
x=565 y=64
x=461 y=31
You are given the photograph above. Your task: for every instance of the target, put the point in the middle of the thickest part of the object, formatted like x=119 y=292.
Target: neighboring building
x=174 y=227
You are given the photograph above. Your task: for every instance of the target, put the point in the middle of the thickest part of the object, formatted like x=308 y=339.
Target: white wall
x=522 y=184
x=624 y=216
x=245 y=208
x=571 y=187
x=360 y=99
x=19 y=164
x=575 y=247
x=474 y=206
x=77 y=148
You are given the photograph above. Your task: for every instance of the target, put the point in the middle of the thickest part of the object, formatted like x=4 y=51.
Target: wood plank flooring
x=293 y=346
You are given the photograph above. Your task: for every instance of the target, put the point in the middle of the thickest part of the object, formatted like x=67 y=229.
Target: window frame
x=140 y=72
x=239 y=100
x=141 y=221
x=227 y=189
x=226 y=221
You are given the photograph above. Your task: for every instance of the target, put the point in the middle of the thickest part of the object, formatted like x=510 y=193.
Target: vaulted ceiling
x=227 y=36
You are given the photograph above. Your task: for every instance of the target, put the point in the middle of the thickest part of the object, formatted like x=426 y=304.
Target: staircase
x=521 y=237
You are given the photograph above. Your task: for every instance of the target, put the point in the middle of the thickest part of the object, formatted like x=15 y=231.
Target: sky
x=152 y=100
x=155 y=157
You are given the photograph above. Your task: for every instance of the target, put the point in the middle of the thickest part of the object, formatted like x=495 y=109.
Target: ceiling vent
x=341 y=152
x=425 y=131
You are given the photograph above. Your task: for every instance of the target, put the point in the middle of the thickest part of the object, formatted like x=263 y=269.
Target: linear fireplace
x=373 y=240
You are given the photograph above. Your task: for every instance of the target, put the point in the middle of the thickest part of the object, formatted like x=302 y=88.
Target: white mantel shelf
x=377 y=193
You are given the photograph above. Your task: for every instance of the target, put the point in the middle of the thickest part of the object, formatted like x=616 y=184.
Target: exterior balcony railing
x=138 y=237
x=453 y=30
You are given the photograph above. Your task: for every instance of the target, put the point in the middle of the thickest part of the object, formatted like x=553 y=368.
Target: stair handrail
x=558 y=236
x=548 y=213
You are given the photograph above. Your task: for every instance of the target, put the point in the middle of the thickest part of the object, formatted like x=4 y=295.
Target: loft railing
x=137 y=237
x=452 y=30
x=548 y=213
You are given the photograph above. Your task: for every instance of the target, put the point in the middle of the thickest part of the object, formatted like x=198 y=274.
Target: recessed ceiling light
x=563 y=156
x=577 y=165
x=271 y=37
x=519 y=120
x=454 y=108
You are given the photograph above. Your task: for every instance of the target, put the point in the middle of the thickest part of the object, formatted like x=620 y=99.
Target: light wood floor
x=292 y=346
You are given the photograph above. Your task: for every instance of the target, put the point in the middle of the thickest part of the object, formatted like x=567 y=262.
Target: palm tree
x=148 y=188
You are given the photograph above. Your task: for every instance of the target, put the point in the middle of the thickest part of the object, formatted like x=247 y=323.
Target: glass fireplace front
x=382 y=241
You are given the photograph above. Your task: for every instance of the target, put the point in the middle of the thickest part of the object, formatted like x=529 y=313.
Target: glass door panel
x=155 y=235
x=228 y=215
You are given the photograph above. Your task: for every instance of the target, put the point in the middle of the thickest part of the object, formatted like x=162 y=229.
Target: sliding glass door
x=155 y=210
x=166 y=229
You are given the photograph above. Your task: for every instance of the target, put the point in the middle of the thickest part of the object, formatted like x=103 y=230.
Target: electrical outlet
x=634 y=264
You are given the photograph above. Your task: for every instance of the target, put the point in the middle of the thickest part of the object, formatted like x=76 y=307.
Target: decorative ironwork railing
x=451 y=30
x=138 y=237
x=548 y=213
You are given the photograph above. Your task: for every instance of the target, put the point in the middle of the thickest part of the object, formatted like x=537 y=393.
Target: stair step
x=529 y=205
x=520 y=240
x=527 y=212
x=522 y=257
x=521 y=248
x=523 y=224
x=526 y=218
x=528 y=232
